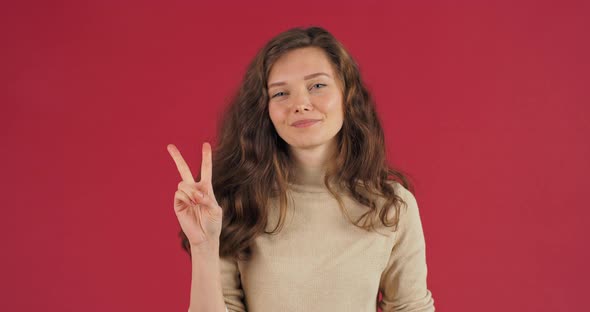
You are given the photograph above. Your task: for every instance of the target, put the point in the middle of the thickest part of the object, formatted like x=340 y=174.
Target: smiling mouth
x=306 y=124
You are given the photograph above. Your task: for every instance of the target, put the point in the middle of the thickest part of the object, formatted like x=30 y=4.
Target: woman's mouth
x=305 y=123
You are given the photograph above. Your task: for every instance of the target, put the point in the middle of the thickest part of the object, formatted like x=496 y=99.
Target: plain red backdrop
x=484 y=104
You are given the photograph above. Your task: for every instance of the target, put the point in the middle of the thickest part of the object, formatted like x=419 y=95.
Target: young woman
x=297 y=208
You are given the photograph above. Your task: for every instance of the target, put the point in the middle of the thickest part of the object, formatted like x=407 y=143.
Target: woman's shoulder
x=402 y=197
x=400 y=190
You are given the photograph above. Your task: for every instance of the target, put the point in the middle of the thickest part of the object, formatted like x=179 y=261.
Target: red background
x=484 y=103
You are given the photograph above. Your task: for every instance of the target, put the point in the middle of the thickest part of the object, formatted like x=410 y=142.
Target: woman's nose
x=302 y=101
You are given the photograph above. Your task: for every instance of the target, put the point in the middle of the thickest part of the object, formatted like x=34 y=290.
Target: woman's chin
x=311 y=144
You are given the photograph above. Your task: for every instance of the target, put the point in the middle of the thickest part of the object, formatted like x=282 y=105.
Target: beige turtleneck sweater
x=320 y=261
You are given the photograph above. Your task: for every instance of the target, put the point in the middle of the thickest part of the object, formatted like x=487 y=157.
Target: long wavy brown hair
x=250 y=153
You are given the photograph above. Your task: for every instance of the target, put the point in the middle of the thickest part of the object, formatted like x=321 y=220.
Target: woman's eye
x=318 y=85
x=278 y=94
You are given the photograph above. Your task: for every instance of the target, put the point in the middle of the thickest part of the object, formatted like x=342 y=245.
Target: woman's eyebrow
x=315 y=75
x=282 y=83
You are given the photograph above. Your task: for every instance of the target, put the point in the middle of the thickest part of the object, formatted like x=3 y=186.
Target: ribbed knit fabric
x=321 y=262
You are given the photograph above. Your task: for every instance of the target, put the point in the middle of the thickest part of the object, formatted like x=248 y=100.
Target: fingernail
x=200 y=194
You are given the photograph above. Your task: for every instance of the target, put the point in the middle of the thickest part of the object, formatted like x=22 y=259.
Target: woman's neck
x=309 y=164
x=308 y=175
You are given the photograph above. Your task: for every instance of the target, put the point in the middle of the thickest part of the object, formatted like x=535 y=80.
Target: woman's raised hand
x=195 y=205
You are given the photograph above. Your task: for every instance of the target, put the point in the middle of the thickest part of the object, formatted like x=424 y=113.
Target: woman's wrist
x=208 y=248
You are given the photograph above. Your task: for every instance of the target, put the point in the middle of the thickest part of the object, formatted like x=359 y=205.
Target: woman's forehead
x=300 y=64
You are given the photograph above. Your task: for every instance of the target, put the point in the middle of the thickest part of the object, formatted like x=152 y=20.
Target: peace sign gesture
x=195 y=205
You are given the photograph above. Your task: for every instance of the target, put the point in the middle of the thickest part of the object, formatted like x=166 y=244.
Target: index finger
x=206 y=165
x=185 y=172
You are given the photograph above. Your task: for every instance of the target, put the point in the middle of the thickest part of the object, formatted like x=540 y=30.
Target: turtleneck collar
x=308 y=180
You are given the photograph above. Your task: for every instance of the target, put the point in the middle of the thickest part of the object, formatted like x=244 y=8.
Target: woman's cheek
x=277 y=115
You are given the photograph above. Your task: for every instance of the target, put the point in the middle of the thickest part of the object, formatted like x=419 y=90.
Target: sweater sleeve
x=403 y=282
x=233 y=294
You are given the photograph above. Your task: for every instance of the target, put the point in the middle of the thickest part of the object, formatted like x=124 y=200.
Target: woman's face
x=305 y=98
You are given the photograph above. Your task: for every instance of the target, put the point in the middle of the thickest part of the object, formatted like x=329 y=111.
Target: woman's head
x=305 y=99
x=290 y=57
x=318 y=79
x=263 y=125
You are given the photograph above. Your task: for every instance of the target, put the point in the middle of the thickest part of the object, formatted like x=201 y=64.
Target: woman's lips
x=306 y=123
